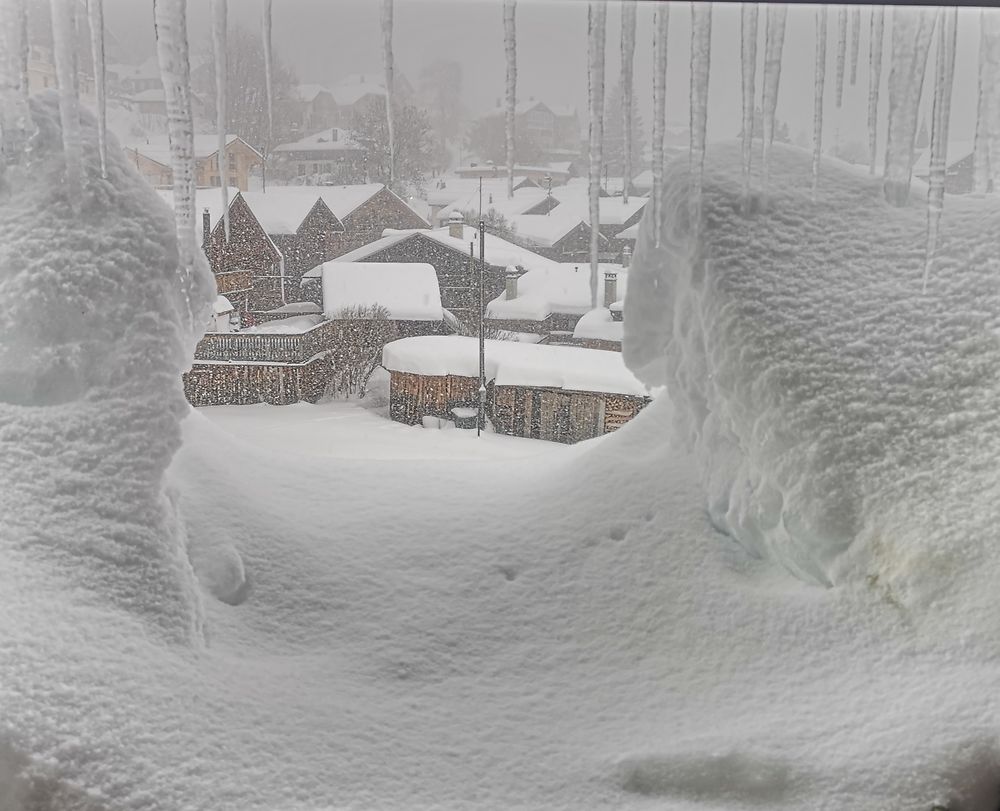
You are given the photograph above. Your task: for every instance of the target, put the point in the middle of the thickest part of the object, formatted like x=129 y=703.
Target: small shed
x=557 y=393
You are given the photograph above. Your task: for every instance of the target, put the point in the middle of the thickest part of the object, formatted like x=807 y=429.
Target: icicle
x=510 y=51
x=389 y=85
x=855 y=42
x=911 y=38
x=220 y=25
x=628 y=65
x=95 y=13
x=748 y=56
x=945 y=74
x=268 y=86
x=662 y=26
x=987 y=145
x=64 y=46
x=841 y=52
x=701 y=52
x=24 y=45
x=820 y=81
x=15 y=118
x=874 y=80
x=175 y=71
x=597 y=19
x=773 y=44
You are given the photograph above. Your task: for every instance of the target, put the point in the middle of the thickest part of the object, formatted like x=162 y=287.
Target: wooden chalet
x=151 y=157
x=560 y=394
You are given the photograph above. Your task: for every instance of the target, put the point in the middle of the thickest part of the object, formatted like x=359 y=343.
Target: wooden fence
x=292 y=348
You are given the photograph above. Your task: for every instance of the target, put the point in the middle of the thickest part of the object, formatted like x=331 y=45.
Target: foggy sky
x=324 y=40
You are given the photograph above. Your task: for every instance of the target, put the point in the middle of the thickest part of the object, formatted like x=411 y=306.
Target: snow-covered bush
x=828 y=399
x=95 y=331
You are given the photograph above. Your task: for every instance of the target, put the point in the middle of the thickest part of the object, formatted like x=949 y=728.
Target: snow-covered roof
x=204 y=198
x=574 y=196
x=494 y=199
x=957 y=150
x=545 y=230
x=408 y=290
x=455 y=187
x=222 y=305
x=632 y=232
x=294 y=325
x=308 y=92
x=157 y=147
x=355 y=87
x=332 y=139
x=562 y=287
x=281 y=209
x=514 y=363
x=598 y=325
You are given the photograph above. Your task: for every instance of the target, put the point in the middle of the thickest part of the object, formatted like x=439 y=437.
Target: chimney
x=610 y=287
x=491 y=198
x=513 y=274
x=206 y=227
x=626 y=257
x=456 y=225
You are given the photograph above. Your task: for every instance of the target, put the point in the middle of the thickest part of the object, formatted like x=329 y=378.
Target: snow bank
x=837 y=413
x=94 y=334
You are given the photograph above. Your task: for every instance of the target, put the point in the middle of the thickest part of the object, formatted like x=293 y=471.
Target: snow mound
x=844 y=422
x=94 y=333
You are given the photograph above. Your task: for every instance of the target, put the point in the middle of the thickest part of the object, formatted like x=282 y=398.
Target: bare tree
x=364 y=330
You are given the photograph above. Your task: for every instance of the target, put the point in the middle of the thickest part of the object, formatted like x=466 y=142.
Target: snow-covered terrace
x=408 y=290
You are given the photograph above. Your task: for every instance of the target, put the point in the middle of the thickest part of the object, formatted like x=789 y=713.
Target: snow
x=958 y=149
x=293 y=325
x=282 y=209
x=206 y=198
x=329 y=140
x=562 y=288
x=545 y=230
x=408 y=290
x=598 y=325
x=157 y=147
x=512 y=363
x=222 y=305
x=495 y=199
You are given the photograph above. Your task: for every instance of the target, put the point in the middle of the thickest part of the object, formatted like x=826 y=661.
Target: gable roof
x=958 y=150
x=408 y=290
x=308 y=92
x=525 y=198
x=546 y=230
x=204 y=198
x=282 y=209
x=355 y=87
x=157 y=147
x=332 y=139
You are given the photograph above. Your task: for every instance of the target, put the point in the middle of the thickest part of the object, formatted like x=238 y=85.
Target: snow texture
x=947 y=32
x=408 y=290
x=628 y=23
x=510 y=54
x=597 y=19
x=175 y=71
x=701 y=54
x=660 y=43
x=828 y=398
x=877 y=36
x=220 y=25
x=390 y=97
x=841 y=53
x=64 y=53
x=93 y=339
x=95 y=15
x=986 y=168
x=855 y=42
x=820 y=81
x=911 y=40
x=774 y=41
x=748 y=62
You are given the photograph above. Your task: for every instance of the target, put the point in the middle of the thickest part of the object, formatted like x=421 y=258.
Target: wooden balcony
x=242 y=347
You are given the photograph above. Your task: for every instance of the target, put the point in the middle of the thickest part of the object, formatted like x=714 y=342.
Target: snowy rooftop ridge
x=408 y=290
x=514 y=363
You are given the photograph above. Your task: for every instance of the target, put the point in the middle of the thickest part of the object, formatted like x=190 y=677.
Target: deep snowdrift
x=553 y=632
x=845 y=423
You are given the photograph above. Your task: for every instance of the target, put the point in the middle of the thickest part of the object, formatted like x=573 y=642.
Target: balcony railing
x=263 y=347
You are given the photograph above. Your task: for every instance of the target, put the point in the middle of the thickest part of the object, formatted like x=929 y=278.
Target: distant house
x=129 y=80
x=309 y=107
x=558 y=236
x=527 y=199
x=328 y=152
x=960 y=169
x=453 y=252
x=540 y=175
x=149 y=102
x=555 y=130
x=314 y=224
x=151 y=157
x=560 y=394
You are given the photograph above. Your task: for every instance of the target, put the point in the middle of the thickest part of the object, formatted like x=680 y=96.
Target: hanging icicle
x=597 y=17
x=748 y=58
x=855 y=42
x=912 y=30
x=841 y=52
x=662 y=28
x=820 y=81
x=628 y=66
x=986 y=160
x=945 y=74
x=15 y=118
x=220 y=25
x=95 y=15
x=175 y=71
x=510 y=51
x=23 y=45
x=390 y=96
x=874 y=80
x=64 y=47
x=774 y=40
x=701 y=53
x=268 y=88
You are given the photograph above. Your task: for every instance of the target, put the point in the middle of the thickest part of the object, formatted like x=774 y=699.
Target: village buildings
x=151 y=157
x=329 y=154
